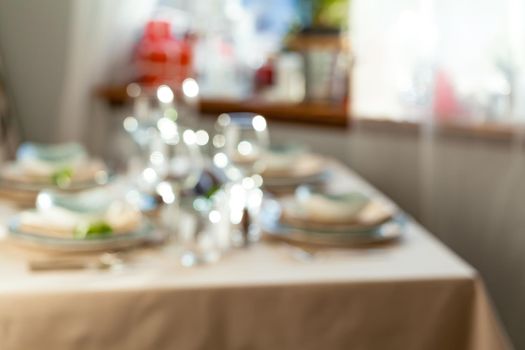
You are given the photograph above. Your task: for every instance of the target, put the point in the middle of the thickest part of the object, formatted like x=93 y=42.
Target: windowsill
x=487 y=130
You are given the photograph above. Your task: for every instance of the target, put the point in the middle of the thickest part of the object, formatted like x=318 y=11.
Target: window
x=443 y=61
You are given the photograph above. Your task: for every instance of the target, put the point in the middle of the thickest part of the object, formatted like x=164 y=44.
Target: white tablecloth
x=415 y=294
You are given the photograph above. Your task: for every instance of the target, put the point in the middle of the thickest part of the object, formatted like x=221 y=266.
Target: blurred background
x=424 y=98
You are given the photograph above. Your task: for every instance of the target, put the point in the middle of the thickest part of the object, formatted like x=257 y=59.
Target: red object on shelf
x=161 y=58
x=265 y=75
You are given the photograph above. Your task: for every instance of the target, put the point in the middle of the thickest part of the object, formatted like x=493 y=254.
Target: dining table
x=411 y=293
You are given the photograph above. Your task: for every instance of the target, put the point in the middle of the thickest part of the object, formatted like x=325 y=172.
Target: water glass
x=241 y=144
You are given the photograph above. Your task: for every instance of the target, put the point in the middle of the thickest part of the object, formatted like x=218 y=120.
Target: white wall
x=33 y=36
x=57 y=51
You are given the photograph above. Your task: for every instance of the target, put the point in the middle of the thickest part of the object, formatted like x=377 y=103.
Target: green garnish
x=93 y=229
x=62 y=177
x=211 y=191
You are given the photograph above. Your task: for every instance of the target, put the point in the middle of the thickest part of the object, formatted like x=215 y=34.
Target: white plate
x=351 y=212
x=143 y=234
x=272 y=226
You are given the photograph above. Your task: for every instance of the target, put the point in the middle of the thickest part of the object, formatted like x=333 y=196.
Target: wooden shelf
x=319 y=113
x=305 y=112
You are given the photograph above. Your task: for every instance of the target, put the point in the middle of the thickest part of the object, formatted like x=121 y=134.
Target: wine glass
x=241 y=143
x=141 y=124
x=179 y=164
x=150 y=105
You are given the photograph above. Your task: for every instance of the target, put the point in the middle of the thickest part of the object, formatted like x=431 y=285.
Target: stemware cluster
x=210 y=200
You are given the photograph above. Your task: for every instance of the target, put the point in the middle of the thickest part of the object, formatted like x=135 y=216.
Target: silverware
x=300 y=253
x=105 y=261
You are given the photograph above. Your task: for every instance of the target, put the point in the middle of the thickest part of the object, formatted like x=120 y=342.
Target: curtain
x=459 y=61
x=101 y=37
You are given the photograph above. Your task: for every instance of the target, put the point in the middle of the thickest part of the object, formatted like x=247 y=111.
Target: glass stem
x=170 y=216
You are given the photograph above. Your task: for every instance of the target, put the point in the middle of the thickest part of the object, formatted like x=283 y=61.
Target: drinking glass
x=241 y=145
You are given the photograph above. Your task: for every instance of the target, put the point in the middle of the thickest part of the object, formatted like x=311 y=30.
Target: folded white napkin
x=287 y=165
x=63 y=215
x=352 y=209
x=35 y=167
x=322 y=208
x=35 y=171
